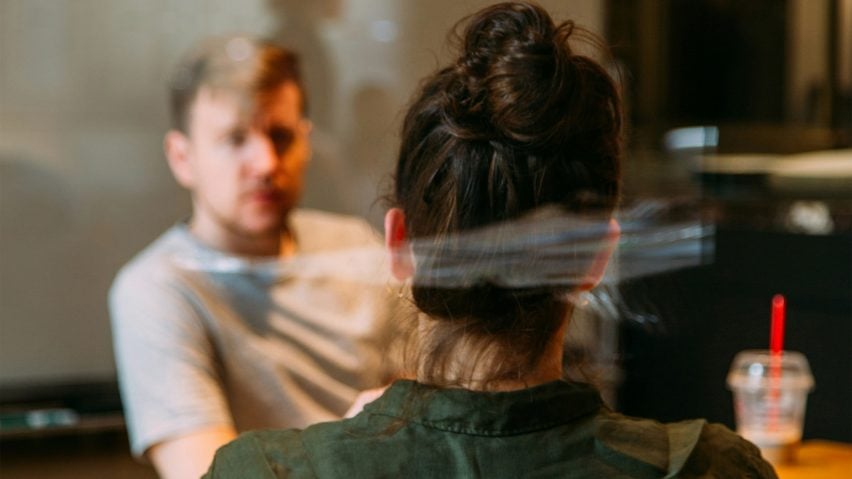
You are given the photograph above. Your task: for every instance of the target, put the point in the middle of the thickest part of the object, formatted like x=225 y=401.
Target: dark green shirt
x=558 y=429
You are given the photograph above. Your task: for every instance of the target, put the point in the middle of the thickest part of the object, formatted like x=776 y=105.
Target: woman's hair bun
x=517 y=123
x=513 y=63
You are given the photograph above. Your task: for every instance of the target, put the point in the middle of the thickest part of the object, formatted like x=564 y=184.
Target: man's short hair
x=250 y=67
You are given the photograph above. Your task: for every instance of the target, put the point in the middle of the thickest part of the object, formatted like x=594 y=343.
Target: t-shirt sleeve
x=365 y=254
x=394 y=312
x=169 y=378
x=722 y=453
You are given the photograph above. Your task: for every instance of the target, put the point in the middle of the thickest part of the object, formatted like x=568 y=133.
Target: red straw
x=776 y=346
x=776 y=334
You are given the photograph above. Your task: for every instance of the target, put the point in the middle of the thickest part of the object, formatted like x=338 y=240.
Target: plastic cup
x=770 y=394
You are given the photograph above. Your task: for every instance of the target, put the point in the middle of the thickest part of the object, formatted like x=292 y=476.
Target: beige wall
x=844 y=21
x=83 y=183
x=808 y=68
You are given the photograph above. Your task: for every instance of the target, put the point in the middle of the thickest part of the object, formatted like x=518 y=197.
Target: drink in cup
x=770 y=392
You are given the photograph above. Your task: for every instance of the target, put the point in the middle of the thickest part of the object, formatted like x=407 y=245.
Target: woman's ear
x=396 y=242
x=598 y=267
x=176 y=146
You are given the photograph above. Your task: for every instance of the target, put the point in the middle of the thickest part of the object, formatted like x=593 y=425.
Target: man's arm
x=364 y=398
x=188 y=456
x=175 y=406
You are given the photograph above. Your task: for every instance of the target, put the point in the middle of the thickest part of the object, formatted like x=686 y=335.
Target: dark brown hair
x=250 y=67
x=518 y=122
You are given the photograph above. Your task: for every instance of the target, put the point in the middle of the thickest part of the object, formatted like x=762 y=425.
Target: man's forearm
x=189 y=456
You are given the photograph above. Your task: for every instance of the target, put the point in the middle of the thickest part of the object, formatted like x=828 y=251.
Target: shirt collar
x=488 y=413
x=199 y=256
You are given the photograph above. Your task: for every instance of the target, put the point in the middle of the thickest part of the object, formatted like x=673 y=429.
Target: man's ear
x=176 y=146
x=598 y=267
x=396 y=242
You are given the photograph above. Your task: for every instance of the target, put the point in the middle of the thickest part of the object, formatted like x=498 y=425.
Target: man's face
x=245 y=168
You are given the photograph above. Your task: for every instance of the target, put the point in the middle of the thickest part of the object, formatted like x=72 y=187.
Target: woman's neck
x=471 y=368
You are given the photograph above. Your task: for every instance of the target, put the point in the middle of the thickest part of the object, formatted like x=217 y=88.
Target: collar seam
x=489 y=432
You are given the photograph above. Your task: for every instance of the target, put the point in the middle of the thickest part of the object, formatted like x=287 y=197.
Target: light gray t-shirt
x=205 y=339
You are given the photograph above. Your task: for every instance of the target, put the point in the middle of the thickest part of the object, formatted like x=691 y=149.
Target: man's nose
x=264 y=156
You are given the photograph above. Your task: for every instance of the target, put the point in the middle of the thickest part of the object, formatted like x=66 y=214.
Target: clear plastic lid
x=758 y=369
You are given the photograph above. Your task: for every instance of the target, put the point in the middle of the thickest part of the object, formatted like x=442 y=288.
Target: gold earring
x=400 y=292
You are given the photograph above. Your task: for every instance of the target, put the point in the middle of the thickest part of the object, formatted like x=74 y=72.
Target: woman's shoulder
x=264 y=455
x=721 y=452
x=693 y=448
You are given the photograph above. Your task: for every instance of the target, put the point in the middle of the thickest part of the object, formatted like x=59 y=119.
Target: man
x=225 y=323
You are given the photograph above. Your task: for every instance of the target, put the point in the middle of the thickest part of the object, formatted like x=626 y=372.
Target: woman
x=509 y=165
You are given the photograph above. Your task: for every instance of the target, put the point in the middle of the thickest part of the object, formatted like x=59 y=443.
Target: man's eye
x=238 y=138
x=282 y=138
